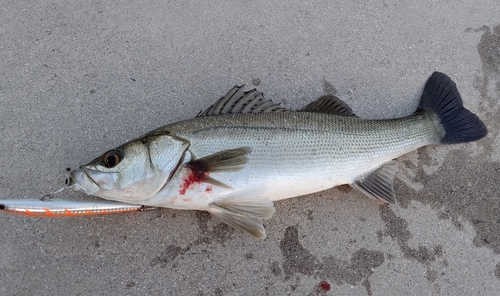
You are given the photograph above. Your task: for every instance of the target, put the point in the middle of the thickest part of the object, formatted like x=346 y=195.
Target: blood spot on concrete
x=353 y=271
x=324 y=286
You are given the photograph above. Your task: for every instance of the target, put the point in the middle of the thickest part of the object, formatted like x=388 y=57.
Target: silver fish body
x=292 y=153
x=244 y=152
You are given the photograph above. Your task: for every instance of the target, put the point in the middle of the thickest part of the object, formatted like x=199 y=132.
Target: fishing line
x=67 y=181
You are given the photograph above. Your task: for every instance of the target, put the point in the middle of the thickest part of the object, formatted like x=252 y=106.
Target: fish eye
x=111 y=158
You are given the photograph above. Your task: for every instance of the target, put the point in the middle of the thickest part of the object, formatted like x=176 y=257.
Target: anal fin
x=379 y=183
x=245 y=214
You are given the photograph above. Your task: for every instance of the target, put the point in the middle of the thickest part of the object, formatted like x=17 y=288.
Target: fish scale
x=303 y=151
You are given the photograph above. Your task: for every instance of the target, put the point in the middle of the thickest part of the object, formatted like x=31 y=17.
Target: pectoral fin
x=245 y=214
x=224 y=161
x=379 y=183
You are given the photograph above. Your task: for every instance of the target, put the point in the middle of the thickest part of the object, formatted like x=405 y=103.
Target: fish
x=64 y=208
x=243 y=153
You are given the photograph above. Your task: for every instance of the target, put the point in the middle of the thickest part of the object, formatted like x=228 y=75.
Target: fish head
x=132 y=172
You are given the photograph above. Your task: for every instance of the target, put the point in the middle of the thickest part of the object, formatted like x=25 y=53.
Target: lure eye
x=111 y=158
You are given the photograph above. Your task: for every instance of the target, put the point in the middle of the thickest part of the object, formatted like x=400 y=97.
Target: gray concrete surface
x=80 y=77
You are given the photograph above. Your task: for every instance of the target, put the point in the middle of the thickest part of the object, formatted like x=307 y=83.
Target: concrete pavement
x=80 y=77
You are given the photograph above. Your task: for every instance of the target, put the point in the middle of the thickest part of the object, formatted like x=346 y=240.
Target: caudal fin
x=441 y=97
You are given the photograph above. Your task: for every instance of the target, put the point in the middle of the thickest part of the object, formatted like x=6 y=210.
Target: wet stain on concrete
x=310 y=215
x=219 y=234
x=297 y=258
x=356 y=270
x=202 y=217
x=130 y=284
x=489 y=53
x=397 y=228
x=470 y=196
x=344 y=188
x=431 y=275
x=168 y=255
x=328 y=88
x=218 y=291
x=368 y=286
x=497 y=271
x=466 y=186
x=256 y=81
x=276 y=269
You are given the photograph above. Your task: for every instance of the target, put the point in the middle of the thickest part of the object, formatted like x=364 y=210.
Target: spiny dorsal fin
x=379 y=183
x=245 y=214
x=330 y=104
x=239 y=101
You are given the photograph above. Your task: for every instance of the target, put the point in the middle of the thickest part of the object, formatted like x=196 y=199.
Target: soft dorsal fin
x=330 y=104
x=239 y=101
x=379 y=183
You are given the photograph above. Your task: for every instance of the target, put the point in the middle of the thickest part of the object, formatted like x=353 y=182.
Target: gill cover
x=134 y=171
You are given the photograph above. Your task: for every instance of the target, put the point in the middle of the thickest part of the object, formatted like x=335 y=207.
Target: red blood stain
x=325 y=286
x=209 y=189
x=196 y=175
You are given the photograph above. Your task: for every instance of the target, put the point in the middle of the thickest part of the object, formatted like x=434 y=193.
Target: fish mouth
x=88 y=176
x=80 y=180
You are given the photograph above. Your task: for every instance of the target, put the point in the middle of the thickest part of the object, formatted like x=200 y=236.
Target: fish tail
x=441 y=97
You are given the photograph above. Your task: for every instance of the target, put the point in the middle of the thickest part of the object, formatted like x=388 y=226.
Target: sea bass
x=244 y=152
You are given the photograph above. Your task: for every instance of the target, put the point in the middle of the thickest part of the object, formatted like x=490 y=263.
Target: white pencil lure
x=64 y=208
